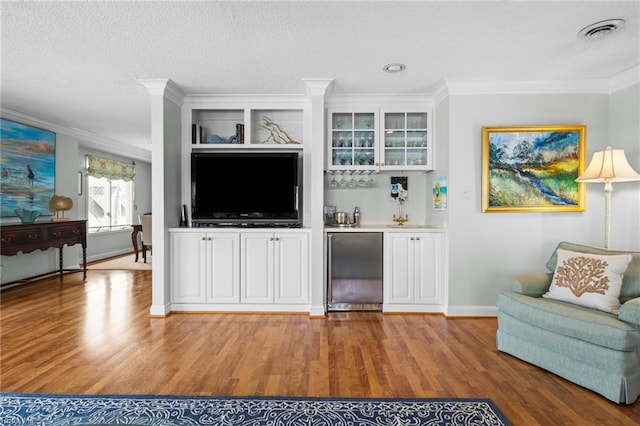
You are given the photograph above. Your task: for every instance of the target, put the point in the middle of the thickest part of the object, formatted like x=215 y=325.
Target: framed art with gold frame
x=533 y=168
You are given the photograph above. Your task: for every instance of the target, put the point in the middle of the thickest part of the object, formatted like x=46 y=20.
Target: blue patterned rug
x=62 y=410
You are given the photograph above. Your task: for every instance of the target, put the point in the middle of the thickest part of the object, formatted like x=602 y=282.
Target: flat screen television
x=246 y=188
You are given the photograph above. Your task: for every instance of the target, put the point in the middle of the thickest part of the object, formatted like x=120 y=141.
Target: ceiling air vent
x=601 y=29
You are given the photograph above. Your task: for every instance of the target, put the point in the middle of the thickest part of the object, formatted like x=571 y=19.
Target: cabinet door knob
x=57 y=233
x=277 y=239
x=417 y=238
x=411 y=238
x=204 y=238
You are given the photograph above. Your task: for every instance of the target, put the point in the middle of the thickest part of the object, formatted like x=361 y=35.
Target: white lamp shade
x=609 y=166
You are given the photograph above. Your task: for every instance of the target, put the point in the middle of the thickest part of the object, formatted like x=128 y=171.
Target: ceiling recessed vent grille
x=601 y=29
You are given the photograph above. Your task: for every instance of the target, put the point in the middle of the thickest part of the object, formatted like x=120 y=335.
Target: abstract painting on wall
x=28 y=161
x=533 y=168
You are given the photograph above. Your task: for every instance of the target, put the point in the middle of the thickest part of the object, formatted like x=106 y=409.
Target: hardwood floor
x=95 y=337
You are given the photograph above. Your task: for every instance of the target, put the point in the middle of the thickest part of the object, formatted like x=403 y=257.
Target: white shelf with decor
x=243 y=122
x=379 y=139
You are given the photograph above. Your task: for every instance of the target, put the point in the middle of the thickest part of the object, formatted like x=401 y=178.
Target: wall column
x=316 y=90
x=165 y=184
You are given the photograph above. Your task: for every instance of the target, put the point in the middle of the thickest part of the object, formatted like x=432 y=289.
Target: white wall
x=487 y=248
x=624 y=133
x=440 y=218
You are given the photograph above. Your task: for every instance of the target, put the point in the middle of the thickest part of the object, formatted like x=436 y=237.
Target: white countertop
x=407 y=227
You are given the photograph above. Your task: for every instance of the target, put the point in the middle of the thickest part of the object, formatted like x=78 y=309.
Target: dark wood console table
x=44 y=235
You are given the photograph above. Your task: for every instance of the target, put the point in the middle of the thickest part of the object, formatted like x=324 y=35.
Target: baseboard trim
x=471 y=311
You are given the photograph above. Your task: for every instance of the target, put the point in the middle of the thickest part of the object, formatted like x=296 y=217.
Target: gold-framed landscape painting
x=533 y=168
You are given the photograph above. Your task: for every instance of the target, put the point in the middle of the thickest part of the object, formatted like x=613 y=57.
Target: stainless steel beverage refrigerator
x=354 y=271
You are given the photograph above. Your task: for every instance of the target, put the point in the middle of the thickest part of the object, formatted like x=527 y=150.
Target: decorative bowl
x=27 y=216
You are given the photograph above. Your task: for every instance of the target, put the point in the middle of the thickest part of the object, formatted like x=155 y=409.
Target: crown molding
x=385 y=100
x=163 y=87
x=500 y=87
x=242 y=101
x=619 y=81
x=85 y=138
x=317 y=86
x=625 y=79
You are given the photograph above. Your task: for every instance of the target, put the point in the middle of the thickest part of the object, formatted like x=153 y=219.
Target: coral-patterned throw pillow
x=589 y=280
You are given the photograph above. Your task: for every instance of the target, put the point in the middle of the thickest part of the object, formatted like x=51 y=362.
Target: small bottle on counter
x=356 y=216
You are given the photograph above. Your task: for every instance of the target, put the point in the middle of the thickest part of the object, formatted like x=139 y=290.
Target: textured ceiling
x=76 y=64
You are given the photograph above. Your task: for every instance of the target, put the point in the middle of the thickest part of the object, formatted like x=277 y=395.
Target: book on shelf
x=239 y=133
x=197 y=133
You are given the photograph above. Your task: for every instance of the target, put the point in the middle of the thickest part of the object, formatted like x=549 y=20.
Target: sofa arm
x=630 y=311
x=532 y=284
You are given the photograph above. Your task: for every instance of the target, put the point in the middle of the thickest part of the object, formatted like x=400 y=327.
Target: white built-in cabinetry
x=233 y=269
x=413 y=268
x=379 y=139
x=239 y=270
x=205 y=267
x=274 y=268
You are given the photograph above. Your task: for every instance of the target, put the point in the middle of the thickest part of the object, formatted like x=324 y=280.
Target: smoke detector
x=601 y=29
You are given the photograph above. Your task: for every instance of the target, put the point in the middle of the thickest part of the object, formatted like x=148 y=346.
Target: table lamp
x=606 y=167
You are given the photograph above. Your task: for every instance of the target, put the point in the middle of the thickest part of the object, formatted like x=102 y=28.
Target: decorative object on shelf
x=59 y=204
x=215 y=139
x=27 y=216
x=329 y=215
x=533 y=168
x=440 y=193
x=28 y=167
x=276 y=134
x=606 y=167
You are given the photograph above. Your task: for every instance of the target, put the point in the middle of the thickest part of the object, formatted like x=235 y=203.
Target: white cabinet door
x=189 y=267
x=398 y=267
x=256 y=277
x=206 y=267
x=274 y=268
x=291 y=268
x=352 y=139
x=223 y=257
x=412 y=268
x=406 y=140
x=427 y=257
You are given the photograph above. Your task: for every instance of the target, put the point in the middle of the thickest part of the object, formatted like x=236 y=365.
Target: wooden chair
x=146 y=235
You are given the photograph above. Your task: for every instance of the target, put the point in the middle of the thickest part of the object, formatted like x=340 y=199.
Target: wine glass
x=362 y=183
x=352 y=182
x=333 y=183
x=343 y=182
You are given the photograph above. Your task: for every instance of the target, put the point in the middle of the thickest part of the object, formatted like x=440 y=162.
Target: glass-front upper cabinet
x=379 y=139
x=406 y=141
x=353 y=140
